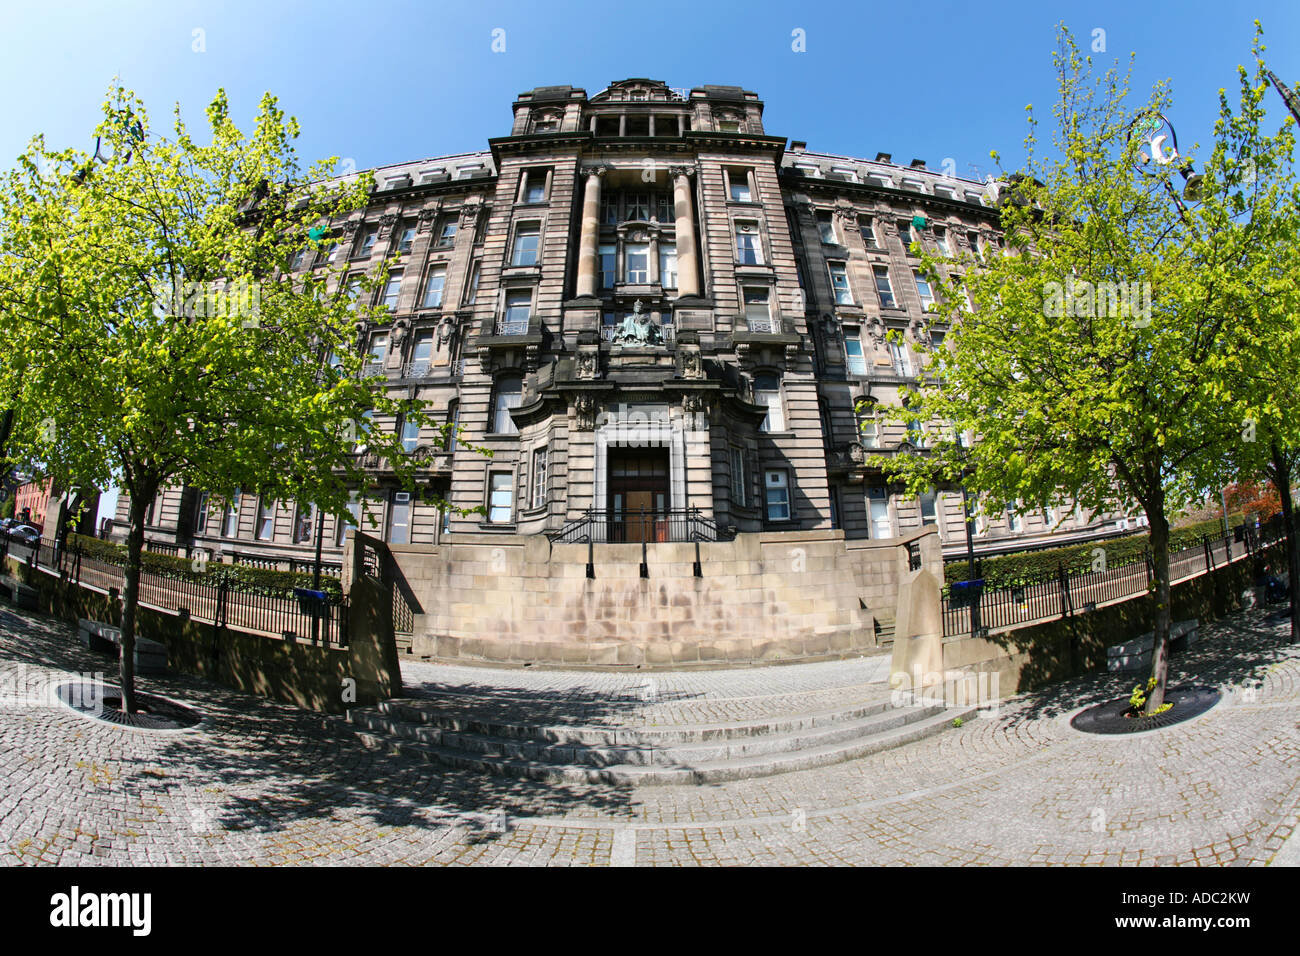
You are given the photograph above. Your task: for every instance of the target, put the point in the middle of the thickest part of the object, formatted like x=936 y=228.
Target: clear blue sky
x=403 y=80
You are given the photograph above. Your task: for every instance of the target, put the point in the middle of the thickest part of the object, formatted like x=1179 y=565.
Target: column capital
x=676 y=171
x=599 y=169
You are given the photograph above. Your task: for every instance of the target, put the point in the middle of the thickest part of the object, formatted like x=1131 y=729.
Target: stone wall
x=777 y=596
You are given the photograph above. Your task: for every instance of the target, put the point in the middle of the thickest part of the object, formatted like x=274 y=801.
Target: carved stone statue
x=585 y=408
x=637 y=329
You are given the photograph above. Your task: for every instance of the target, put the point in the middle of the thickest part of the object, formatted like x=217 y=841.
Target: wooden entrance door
x=638 y=495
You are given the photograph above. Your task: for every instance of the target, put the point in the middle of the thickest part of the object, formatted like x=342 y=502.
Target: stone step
x=455 y=716
x=646 y=754
x=923 y=722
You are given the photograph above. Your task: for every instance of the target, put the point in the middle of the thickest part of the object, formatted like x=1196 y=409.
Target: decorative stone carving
x=588 y=361
x=875 y=329
x=362 y=329
x=584 y=407
x=425 y=220
x=857 y=453
x=444 y=341
x=676 y=171
x=469 y=214
x=350 y=228
x=386 y=223
x=400 y=328
x=532 y=356
x=918 y=330
x=691 y=362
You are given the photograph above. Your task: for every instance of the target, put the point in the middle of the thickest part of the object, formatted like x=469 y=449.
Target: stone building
x=661 y=320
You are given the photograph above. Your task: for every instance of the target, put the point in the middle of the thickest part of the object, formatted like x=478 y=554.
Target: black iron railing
x=211 y=601
x=635 y=527
x=969 y=607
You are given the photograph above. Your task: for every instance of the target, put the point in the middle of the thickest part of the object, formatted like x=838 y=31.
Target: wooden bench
x=1135 y=655
x=150 y=656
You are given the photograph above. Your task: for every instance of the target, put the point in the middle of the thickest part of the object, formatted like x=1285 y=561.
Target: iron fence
x=968 y=608
x=212 y=602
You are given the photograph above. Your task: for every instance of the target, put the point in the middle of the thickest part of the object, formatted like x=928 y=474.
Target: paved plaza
x=260 y=782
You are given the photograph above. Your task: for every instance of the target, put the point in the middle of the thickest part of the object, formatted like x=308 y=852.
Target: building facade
x=644 y=305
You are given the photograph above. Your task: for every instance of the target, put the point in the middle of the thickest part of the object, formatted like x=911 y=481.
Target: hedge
x=1028 y=567
x=237 y=577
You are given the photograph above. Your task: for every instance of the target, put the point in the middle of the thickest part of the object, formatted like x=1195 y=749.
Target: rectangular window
x=265 y=519
x=777 y=484
x=869 y=430
x=840 y=283
x=446 y=232
x=422 y=353
x=471 y=293
x=298 y=258
x=738 y=180
x=534 y=189
x=738 y=495
x=527 y=237
x=433 y=287
x=767 y=391
x=749 y=251
x=898 y=357
x=929 y=508
x=826 y=226
x=638 y=262
x=973 y=240
x=341 y=525
x=637 y=207
x=501 y=497
x=392 y=289
x=304 y=521
x=539 y=477
x=378 y=348
x=758 y=312
x=923 y=290
x=1013 y=522
x=608 y=254
x=853 y=347
x=905 y=235
x=519 y=307
x=609 y=209
x=406 y=240
x=410 y=435
x=883 y=289
x=668 y=265
x=201 y=513
x=352 y=292
x=881 y=527
x=941 y=240
x=399 y=518
x=230 y=517
x=867 y=227
x=367 y=243
x=664 y=209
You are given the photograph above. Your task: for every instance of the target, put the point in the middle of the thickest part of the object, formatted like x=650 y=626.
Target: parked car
x=24 y=533
x=7 y=523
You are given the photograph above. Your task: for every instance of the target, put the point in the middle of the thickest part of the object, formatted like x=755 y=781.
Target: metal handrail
x=678 y=524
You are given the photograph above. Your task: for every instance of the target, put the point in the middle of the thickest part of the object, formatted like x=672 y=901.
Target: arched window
x=767 y=391
x=509 y=394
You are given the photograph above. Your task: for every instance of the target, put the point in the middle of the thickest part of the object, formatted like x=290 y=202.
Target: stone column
x=588 y=244
x=688 y=281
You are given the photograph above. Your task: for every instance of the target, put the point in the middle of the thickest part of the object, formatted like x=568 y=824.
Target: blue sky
x=405 y=80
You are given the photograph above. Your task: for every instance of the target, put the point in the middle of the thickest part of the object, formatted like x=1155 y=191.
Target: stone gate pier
x=762 y=597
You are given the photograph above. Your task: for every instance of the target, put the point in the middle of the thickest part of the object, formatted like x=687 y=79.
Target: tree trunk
x=131 y=597
x=1160 y=649
x=1282 y=482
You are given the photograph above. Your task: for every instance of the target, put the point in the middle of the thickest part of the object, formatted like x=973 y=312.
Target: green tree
x=158 y=338
x=1096 y=362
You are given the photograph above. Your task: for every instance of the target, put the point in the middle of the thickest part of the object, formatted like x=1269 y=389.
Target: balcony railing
x=427 y=369
x=512 y=327
x=668 y=333
x=770 y=324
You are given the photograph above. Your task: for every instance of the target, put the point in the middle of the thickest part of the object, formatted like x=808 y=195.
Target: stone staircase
x=640 y=746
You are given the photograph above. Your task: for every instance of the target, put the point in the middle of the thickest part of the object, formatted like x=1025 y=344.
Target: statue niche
x=637 y=329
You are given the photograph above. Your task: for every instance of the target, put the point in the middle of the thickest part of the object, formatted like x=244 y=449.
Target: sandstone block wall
x=778 y=596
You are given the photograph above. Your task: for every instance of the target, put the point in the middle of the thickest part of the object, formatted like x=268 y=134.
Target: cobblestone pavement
x=260 y=782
